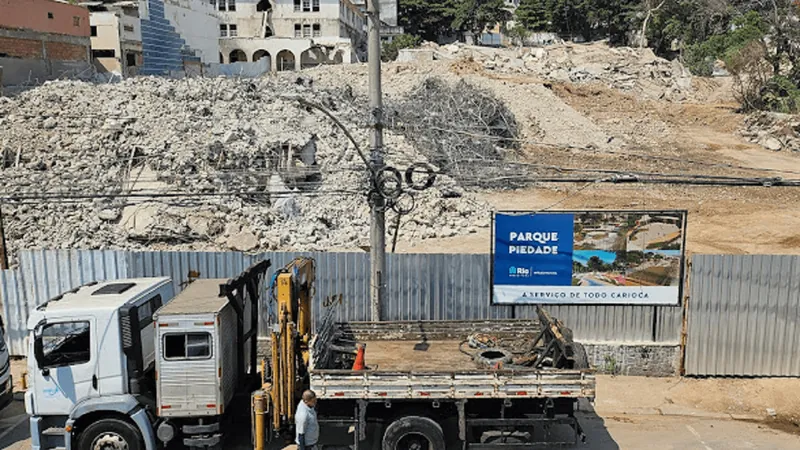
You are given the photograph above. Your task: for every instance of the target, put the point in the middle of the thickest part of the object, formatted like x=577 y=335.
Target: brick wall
x=21 y=48
x=66 y=52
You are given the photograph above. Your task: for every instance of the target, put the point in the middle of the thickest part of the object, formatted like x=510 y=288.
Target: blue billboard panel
x=588 y=257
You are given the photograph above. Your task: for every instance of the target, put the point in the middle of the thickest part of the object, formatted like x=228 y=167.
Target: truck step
x=53 y=431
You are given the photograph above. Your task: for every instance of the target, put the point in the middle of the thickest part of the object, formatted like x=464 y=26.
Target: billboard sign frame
x=561 y=294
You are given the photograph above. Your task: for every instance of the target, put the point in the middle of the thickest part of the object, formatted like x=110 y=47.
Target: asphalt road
x=603 y=433
x=14 y=432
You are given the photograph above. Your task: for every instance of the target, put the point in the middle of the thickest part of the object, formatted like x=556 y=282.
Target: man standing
x=306 y=422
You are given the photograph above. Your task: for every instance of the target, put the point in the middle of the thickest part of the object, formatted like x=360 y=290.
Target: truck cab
x=6 y=381
x=92 y=358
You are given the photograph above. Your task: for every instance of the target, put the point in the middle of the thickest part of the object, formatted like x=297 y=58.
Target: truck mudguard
x=123 y=404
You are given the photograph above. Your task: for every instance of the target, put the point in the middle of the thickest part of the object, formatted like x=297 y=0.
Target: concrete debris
x=638 y=71
x=773 y=131
x=200 y=164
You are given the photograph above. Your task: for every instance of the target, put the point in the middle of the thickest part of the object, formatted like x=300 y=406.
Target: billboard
x=588 y=257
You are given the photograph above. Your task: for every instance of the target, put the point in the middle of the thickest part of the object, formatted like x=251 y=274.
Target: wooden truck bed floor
x=399 y=355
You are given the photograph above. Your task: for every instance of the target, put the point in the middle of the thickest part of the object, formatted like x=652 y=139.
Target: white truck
x=6 y=380
x=111 y=369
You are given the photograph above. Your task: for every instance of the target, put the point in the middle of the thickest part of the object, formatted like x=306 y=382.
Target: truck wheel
x=580 y=358
x=413 y=433
x=110 y=434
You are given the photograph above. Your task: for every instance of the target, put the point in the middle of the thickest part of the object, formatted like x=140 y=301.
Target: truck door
x=66 y=360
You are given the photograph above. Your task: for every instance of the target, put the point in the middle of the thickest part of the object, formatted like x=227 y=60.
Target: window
x=315 y=6
x=146 y=310
x=306 y=5
x=317 y=30
x=297 y=6
x=232 y=31
x=76 y=21
x=104 y=53
x=65 y=344
x=222 y=5
x=187 y=346
x=213 y=3
x=223 y=30
x=93 y=30
x=231 y=5
x=49 y=15
x=307 y=30
x=128 y=28
x=298 y=30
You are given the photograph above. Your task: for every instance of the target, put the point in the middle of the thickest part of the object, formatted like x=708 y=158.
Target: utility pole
x=377 y=202
x=3 y=247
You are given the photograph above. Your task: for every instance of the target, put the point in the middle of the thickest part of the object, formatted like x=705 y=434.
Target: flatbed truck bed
x=423 y=373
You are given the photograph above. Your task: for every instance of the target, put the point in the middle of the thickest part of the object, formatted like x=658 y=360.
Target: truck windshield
x=66 y=343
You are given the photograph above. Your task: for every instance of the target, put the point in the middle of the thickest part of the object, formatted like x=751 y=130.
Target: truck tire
x=579 y=357
x=413 y=432
x=110 y=434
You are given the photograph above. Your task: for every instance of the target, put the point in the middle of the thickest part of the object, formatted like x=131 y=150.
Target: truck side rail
x=378 y=385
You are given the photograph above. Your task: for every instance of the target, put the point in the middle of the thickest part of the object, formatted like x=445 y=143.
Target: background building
x=177 y=35
x=116 y=36
x=293 y=34
x=42 y=39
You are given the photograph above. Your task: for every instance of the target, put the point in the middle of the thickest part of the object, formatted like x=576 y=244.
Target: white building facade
x=293 y=34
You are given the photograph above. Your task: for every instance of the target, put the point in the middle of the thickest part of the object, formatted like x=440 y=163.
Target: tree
x=595 y=264
x=535 y=15
x=475 y=15
x=650 y=7
x=518 y=35
x=428 y=19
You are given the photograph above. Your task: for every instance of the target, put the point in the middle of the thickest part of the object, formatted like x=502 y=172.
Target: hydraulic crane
x=292 y=290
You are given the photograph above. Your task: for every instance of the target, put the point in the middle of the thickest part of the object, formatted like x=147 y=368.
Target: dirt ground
x=594 y=127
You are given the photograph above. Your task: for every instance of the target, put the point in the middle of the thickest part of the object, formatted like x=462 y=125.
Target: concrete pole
x=378 y=204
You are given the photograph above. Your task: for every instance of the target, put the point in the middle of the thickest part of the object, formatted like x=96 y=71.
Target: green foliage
x=518 y=35
x=476 y=15
x=535 y=15
x=390 y=50
x=700 y=57
x=611 y=366
x=781 y=94
x=428 y=19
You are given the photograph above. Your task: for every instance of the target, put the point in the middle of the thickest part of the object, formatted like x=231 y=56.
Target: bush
x=390 y=50
x=780 y=94
x=700 y=57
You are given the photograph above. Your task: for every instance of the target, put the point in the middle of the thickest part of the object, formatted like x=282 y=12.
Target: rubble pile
x=201 y=164
x=773 y=131
x=466 y=131
x=638 y=71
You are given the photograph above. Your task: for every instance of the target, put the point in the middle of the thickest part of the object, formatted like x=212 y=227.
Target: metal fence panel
x=419 y=287
x=744 y=316
x=44 y=274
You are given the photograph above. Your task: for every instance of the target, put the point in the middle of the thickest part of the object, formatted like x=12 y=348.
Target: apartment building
x=293 y=34
x=42 y=40
x=116 y=33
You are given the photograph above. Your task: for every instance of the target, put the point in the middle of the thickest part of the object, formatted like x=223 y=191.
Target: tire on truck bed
x=579 y=357
x=405 y=428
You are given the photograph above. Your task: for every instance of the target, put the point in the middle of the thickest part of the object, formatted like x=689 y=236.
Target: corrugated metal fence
x=744 y=316
x=420 y=287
